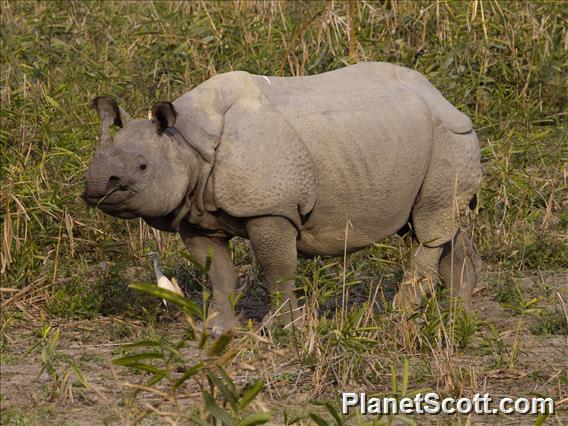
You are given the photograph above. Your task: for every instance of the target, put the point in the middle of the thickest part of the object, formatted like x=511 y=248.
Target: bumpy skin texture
x=288 y=162
x=258 y=142
x=273 y=240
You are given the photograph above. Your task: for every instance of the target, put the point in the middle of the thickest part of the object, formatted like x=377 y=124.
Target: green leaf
x=188 y=374
x=229 y=396
x=541 y=419
x=79 y=374
x=183 y=47
x=228 y=379
x=203 y=340
x=52 y=101
x=146 y=367
x=405 y=377
x=170 y=296
x=141 y=344
x=30 y=350
x=256 y=419
x=318 y=420
x=154 y=379
x=334 y=413
x=394 y=384
x=234 y=300
x=220 y=343
x=291 y=420
x=133 y=359
x=250 y=393
x=216 y=411
x=532 y=302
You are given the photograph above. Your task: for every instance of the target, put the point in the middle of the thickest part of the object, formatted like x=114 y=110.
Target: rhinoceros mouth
x=110 y=201
x=122 y=214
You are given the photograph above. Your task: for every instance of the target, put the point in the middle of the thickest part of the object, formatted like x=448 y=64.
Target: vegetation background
x=67 y=267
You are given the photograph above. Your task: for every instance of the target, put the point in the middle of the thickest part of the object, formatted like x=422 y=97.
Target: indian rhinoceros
x=314 y=165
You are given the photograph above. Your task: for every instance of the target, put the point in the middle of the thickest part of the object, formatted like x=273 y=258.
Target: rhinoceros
x=311 y=165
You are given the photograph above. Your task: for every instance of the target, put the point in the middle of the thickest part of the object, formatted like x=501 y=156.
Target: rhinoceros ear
x=110 y=113
x=165 y=115
x=107 y=106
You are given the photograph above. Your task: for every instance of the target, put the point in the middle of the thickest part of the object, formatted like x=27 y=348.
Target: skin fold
x=289 y=163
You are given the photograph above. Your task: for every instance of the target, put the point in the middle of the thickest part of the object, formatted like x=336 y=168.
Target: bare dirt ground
x=540 y=366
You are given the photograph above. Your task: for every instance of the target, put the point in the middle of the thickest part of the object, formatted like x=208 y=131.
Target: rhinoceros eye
x=141 y=162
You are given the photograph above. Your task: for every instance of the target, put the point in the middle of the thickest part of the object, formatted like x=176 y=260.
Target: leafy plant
x=210 y=367
x=58 y=367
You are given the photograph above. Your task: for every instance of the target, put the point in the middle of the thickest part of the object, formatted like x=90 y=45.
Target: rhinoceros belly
x=370 y=142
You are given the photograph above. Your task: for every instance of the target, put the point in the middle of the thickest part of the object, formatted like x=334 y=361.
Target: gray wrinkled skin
x=291 y=163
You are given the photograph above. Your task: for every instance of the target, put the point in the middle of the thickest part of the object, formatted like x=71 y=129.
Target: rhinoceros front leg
x=221 y=274
x=273 y=240
x=420 y=278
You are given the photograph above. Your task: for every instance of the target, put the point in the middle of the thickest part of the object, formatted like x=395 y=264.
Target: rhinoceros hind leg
x=420 y=278
x=450 y=182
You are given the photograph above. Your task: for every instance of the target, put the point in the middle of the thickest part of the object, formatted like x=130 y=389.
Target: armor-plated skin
x=291 y=163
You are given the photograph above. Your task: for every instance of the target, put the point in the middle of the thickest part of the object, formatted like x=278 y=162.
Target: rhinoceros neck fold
x=176 y=134
x=203 y=176
x=183 y=211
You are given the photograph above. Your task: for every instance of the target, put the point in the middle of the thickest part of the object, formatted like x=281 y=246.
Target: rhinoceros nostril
x=113 y=182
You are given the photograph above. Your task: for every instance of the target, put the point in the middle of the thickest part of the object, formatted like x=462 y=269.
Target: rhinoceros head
x=141 y=171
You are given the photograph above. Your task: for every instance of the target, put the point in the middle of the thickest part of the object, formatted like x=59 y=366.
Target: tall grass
x=504 y=64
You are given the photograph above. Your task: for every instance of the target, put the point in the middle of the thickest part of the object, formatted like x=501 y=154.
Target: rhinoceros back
x=370 y=138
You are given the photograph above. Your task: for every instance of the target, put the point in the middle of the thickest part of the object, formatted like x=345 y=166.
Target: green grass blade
x=256 y=419
x=405 y=377
x=145 y=367
x=133 y=359
x=156 y=378
x=216 y=411
x=188 y=374
x=229 y=396
x=220 y=343
x=169 y=296
x=250 y=393
x=331 y=409
x=320 y=421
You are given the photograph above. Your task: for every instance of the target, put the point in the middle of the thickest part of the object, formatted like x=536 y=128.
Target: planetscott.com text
x=432 y=403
